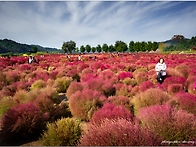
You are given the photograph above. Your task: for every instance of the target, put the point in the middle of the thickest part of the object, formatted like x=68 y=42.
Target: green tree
x=121 y=46
x=131 y=44
x=77 y=50
x=69 y=46
x=93 y=49
x=149 y=46
x=137 y=46
x=88 y=48
x=98 y=48
x=154 y=46
x=111 y=48
x=82 y=49
x=35 y=49
x=105 y=47
x=142 y=45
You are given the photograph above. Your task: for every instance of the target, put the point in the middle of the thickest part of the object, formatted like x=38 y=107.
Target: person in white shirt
x=161 y=70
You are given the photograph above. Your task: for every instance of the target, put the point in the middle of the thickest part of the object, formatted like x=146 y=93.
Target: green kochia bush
x=22 y=121
x=150 y=97
x=38 y=85
x=62 y=84
x=118 y=133
x=63 y=132
x=168 y=122
x=84 y=103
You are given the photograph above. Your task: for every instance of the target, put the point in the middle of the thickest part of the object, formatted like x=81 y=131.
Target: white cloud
x=51 y=23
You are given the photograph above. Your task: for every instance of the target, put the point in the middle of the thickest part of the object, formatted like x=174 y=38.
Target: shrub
x=191 y=88
x=173 y=73
x=5 y=104
x=186 y=101
x=74 y=87
x=38 y=85
x=173 y=80
x=150 y=97
x=190 y=79
x=124 y=75
x=174 y=88
x=21 y=96
x=146 y=85
x=63 y=132
x=82 y=67
x=97 y=65
x=74 y=74
x=121 y=100
x=12 y=76
x=141 y=78
x=110 y=111
x=107 y=75
x=22 y=121
x=118 y=133
x=135 y=90
x=168 y=122
x=129 y=81
x=87 y=77
x=62 y=84
x=103 y=86
x=5 y=94
x=185 y=72
x=123 y=90
x=84 y=103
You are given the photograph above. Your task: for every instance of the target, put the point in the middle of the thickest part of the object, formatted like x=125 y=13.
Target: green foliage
x=64 y=132
x=77 y=50
x=82 y=49
x=93 y=49
x=131 y=44
x=5 y=104
x=35 y=49
x=62 y=84
x=105 y=47
x=121 y=46
x=88 y=48
x=38 y=85
x=111 y=48
x=98 y=48
x=68 y=46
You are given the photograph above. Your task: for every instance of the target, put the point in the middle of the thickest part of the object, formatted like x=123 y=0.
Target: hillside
x=184 y=45
x=14 y=47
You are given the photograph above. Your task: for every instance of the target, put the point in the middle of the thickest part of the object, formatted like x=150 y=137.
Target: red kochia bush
x=118 y=133
x=173 y=80
x=84 y=103
x=110 y=111
x=168 y=122
x=174 y=88
x=186 y=101
x=146 y=85
x=122 y=101
x=124 y=75
x=22 y=121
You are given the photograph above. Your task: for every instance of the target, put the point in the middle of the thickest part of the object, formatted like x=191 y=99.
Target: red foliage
x=175 y=88
x=84 y=103
x=110 y=111
x=119 y=133
x=124 y=75
x=22 y=121
x=146 y=85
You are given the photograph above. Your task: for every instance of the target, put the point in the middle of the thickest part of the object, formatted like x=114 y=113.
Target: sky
x=50 y=23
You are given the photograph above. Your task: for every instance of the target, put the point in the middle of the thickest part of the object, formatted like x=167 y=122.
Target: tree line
x=120 y=46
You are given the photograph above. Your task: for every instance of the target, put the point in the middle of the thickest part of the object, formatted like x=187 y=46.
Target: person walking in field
x=161 y=70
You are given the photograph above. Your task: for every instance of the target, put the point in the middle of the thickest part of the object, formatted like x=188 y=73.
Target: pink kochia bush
x=118 y=132
x=174 y=80
x=146 y=85
x=110 y=111
x=170 y=123
x=84 y=103
x=174 y=88
x=22 y=121
x=186 y=101
x=122 y=101
x=124 y=75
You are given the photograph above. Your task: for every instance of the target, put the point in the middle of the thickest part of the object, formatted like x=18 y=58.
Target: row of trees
x=119 y=46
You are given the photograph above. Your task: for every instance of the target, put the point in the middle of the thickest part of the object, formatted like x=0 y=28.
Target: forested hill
x=184 y=45
x=14 y=47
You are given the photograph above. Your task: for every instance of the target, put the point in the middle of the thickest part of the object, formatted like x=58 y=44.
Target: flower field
x=118 y=98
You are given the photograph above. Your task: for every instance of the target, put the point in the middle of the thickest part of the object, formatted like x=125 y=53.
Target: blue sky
x=51 y=23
